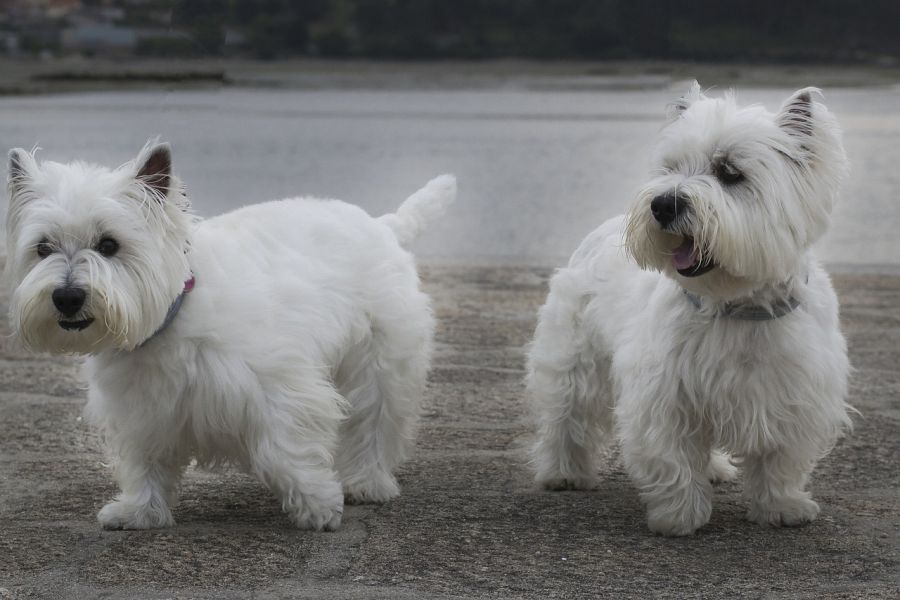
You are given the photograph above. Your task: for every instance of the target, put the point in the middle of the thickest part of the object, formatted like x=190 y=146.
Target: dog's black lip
x=76 y=325
x=698 y=269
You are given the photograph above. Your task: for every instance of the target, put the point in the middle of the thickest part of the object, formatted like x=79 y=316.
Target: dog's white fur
x=301 y=354
x=621 y=350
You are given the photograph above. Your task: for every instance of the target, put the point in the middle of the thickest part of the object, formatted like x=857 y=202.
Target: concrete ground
x=469 y=523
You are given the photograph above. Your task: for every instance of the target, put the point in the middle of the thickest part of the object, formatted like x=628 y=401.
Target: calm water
x=537 y=169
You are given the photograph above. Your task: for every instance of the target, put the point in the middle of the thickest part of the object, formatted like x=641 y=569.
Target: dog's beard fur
x=71 y=208
x=755 y=230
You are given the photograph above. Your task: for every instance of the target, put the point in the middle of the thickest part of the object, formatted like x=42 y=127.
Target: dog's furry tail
x=420 y=209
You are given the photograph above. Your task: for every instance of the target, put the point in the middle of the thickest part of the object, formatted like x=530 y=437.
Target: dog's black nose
x=69 y=300
x=665 y=207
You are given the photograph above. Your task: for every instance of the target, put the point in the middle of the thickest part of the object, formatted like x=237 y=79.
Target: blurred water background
x=538 y=168
x=546 y=111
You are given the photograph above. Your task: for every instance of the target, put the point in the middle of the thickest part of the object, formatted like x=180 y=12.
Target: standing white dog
x=289 y=337
x=711 y=328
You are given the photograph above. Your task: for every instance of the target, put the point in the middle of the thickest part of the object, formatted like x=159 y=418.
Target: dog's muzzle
x=686 y=258
x=69 y=301
x=667 y=207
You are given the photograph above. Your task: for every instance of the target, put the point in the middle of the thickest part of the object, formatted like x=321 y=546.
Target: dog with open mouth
x=699 y=328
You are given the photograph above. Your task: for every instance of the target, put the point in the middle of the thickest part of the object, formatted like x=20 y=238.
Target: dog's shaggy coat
x=300 y=353
x=642 y=335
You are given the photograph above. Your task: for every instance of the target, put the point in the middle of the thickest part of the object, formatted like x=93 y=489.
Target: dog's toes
x=318 y=512
x=679 y=524
x=323 y=519
x=789 y=512
x=334 y=521
x=681 y=514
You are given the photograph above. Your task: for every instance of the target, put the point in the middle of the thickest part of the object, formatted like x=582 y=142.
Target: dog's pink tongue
x=684 y=255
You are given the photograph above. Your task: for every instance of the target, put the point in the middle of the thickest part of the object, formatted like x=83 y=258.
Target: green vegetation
x=848 y=31
x=714 y=30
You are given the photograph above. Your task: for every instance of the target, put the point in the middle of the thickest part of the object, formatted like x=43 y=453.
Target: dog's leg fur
x=568 y=386
x=384 y=379
x=148 y=459
x=291 y=453
x=148 y=488
x=673 y=484
x=775 y=485
x=666 y=455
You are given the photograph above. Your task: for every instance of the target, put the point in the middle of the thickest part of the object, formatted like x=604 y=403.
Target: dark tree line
x=753 y=30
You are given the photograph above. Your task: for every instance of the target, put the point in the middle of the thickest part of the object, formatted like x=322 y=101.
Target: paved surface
x=469 y=523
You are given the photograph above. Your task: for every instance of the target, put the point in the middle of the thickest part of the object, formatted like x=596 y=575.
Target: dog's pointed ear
x=677 y=108
x=154 y=168
x=797 y=113
x=22 y=167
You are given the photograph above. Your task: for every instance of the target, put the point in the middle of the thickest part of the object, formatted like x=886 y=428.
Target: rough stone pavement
x=469 y=523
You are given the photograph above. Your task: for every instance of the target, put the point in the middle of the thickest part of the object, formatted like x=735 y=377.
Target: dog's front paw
x=319 y=519
x=785 y=512
x=675 y=525
x=319 y=513
x=680 y=516
x=122 y=514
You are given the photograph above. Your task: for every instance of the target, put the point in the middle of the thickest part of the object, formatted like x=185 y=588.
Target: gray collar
x=173 y=310
x=745 y=311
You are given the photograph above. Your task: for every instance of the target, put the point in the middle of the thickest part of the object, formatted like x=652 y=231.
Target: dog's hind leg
x=383 y=379
x=568 y=387
x=720 y=469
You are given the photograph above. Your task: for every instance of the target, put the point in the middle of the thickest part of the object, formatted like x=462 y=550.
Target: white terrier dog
x=290 y=337
x=727 y=340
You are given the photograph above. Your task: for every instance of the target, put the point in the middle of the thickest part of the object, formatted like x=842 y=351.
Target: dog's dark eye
x=44 y=249
x=726 y=173
x=107 y=247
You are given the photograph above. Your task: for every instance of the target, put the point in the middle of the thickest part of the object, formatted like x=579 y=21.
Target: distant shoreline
x=34 y=76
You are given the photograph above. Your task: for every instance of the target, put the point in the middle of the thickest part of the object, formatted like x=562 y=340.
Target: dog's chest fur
x=741 y=378
x=750 y=384
x=198 y=400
